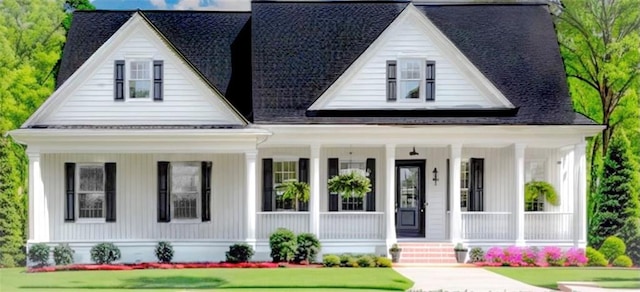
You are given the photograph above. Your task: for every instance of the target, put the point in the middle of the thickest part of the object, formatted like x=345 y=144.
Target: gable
x=87 y=96
x=412 y=38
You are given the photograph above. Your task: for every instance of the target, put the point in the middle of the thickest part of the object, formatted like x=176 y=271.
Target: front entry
x=410 y=202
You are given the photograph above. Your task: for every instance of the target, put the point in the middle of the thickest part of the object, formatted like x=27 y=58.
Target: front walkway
x=461 y=279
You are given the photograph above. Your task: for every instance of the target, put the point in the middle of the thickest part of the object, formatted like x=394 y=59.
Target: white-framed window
x=185 y=190
x=139 y=76
x=352 y=203
x=410 y=85
x=283 y=171
x=535 y=170
x=90 y=180
x=464 y=185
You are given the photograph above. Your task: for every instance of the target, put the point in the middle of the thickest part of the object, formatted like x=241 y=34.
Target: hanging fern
x=350 y=184
x=537 y=189
x=295 y=190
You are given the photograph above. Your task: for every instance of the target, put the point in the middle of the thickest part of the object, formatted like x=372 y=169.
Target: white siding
x=367 y=88
x=136 y=199
x=187 y=100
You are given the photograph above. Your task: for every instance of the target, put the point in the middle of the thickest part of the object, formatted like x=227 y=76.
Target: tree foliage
x=617 y=200
x=31 y=38
x=72 y=5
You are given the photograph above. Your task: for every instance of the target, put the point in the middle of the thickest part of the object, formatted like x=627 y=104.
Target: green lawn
x=292 y=279
x=549 y=277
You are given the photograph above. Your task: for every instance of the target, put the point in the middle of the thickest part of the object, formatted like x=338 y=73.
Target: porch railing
x=487 y=225
x=267 y=222
x=352 y=225
x=548 y=226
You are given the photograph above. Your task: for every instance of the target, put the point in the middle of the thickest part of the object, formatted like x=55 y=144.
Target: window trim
x=364 y=201
x=127 y=77
x=172 y=212
x=78 y=191
x=274 y=198
x=422 y=86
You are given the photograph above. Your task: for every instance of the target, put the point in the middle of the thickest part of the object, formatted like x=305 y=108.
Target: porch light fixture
x=435 y=176
x=413 y=152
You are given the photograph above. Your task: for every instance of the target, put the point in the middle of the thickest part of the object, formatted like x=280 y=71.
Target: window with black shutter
x=90 y=192
x=184 y=191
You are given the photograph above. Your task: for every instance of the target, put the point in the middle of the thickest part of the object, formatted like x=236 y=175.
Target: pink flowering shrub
x=494 y=255
x=575 y=257
x=529 y=256
x=512 y=256
x=552 y=256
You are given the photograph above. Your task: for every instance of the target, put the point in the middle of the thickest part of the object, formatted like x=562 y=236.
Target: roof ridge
x=163 y=11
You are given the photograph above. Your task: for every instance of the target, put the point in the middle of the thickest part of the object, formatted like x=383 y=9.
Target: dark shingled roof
x=272 y=63
x=217 y=44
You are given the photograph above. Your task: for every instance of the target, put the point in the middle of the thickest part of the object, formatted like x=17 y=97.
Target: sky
x=234 y=5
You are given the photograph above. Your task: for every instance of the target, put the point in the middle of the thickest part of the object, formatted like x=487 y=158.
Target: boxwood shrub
x=63 y=255
x=105 y=253
x=39 y=254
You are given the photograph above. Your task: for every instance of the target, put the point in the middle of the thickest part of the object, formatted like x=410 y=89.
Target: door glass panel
x=409 y=193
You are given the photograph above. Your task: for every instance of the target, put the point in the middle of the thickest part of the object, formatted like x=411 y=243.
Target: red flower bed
x=141 y=266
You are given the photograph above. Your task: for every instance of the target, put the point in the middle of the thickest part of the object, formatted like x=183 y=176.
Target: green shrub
x=105 y=253
x=7 y=261
x=352 y=262
x=595 y=258
x=622 y=261
x=331 y=260
x=366 y=261
x=283 y=245
x=633 y=249
x=344 y=258
x=164 y=252
x=383 y=262
x=239 y=253
x=612 y=247
x=39 y=254
x=308 y=248
x=630 y=234
x=476 y=255
x=63 y=255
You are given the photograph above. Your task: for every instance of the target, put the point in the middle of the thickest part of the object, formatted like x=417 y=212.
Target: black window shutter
x=164 y=205
x=333 y=171
x=371 y=196
x=110 y=191
x=430 y=78
x=303 y=176
x=158 y=72
x=448 y=187
x=267 y=184
x=118 y=80
x=70 y=185
x=206 y=191
x=476 y=174
x=391 y=81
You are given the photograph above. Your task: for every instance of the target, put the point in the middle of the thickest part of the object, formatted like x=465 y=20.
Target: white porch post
x=250 y=162
x=455 y=219
x=580 y=195
x=38 y=211
x=519 y=192
x=314 y=184
x=390 y=187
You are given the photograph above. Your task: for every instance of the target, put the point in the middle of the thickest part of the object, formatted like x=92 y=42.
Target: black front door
x=410 y=193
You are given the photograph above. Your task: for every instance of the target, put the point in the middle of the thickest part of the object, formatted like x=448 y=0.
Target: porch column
x=314 y=185
x=250 y=176
x=455 y=219
x=390 y=190
x=38 y=211
x=519 y=192
x=580 y=195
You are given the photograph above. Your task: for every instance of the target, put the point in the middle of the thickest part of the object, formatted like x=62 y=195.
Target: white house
x=178 y=125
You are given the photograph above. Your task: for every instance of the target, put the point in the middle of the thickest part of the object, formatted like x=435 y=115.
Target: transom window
x=352 y=203
x=535 y=170
x=284 y=171
x=139 y=79
x=91 y=199
x=464 y=185
x=185 y=190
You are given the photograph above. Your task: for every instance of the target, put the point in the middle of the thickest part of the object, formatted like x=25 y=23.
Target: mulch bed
x=142 y=266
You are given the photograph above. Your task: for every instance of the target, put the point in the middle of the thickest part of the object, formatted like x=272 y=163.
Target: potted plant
x=296 y=191
x=350 y=184
x=536 y=190
x=395 y=250
x=461 y=253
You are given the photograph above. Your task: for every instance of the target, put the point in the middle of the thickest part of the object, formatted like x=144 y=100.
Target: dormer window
x=411 y=80
x=143 y=79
